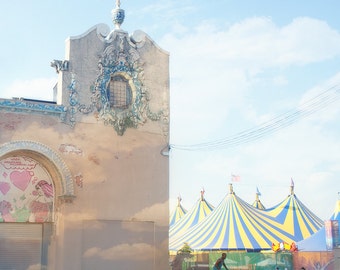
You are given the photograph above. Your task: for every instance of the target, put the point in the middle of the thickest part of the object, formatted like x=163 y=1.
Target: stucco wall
x=117 y=214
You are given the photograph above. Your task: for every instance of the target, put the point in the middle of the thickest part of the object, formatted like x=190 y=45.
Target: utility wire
x=286 y=119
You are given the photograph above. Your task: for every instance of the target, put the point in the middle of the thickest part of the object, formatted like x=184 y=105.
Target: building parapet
x=33 y=106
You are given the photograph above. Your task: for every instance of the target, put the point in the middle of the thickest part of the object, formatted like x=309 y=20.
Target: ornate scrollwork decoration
x=74 y=104
x=120 y=63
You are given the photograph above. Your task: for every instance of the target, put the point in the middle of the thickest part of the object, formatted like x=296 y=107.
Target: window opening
x=119 y=92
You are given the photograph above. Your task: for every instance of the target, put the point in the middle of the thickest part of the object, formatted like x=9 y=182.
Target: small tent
x=178 y=213
x=317 y=242
x=195 y=215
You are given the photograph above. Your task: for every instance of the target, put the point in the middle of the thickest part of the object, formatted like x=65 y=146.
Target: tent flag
x=235 y=178
x=257 y=191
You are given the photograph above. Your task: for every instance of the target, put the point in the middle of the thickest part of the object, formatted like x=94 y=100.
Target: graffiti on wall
x=26 y=191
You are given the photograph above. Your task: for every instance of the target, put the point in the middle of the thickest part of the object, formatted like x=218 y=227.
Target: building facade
x=84 y=179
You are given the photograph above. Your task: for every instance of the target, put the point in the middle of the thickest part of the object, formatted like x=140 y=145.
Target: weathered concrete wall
x=116 y=178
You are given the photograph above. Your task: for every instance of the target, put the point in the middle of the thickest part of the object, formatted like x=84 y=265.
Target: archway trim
x=66 y=181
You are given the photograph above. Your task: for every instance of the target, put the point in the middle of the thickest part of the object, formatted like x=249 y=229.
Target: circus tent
x=236 y=225
x=178 y=213
x=299 y=222
x=233 y=225
x=317 y=242
x=195 y=215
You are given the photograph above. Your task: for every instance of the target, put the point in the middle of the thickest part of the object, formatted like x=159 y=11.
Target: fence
x=242 y=260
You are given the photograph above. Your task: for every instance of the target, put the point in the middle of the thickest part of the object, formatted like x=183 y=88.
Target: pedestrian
x=220 y=261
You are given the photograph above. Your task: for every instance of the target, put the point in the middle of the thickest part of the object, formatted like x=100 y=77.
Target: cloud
x=34 y=267
x=87 y=215
x=215 y=69
x=308 y=40
x=321 y=97
x=307 y=150
x=139 y=226
x=167 y=10
x=255 y=43
x=138 y=252
x=152 y=212
x=38 y=88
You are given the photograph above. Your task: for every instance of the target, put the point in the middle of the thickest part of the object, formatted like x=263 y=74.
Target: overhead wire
x=313 y=105
x=268 y=127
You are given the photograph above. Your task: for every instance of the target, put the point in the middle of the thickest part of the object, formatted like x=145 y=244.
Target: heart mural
x=21 y=179
x=4 y=187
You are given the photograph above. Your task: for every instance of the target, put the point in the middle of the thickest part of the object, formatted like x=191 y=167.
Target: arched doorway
x=31 y=179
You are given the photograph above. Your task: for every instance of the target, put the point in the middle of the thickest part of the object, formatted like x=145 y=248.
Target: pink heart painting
x=21 y=179
x=4 y=187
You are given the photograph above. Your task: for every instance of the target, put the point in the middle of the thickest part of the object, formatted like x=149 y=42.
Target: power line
x=286 y=119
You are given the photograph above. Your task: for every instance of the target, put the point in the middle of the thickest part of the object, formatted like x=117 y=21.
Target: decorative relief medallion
x=119 y=93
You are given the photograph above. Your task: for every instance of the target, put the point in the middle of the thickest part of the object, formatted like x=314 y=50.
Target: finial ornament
x=118 y=15
x=291 y=186
x=257 y=194
x=179 y=199
x=202 y=194
x=231 y=190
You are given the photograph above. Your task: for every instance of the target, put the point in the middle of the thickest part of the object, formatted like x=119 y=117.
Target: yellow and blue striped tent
x=299 y=222
x=178 y=213
x=196 y=214
x=317 y=242
x=233 y=225
x=236 y=225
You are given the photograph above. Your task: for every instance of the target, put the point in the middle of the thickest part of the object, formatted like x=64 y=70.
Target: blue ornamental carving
x=121 y=60
x=34 y=106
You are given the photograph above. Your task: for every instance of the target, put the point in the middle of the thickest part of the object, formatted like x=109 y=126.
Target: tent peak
x=291 y=186
x=202 y=194
x=231 y=189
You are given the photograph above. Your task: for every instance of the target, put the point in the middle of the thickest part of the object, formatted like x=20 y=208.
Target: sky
x=255 y=87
